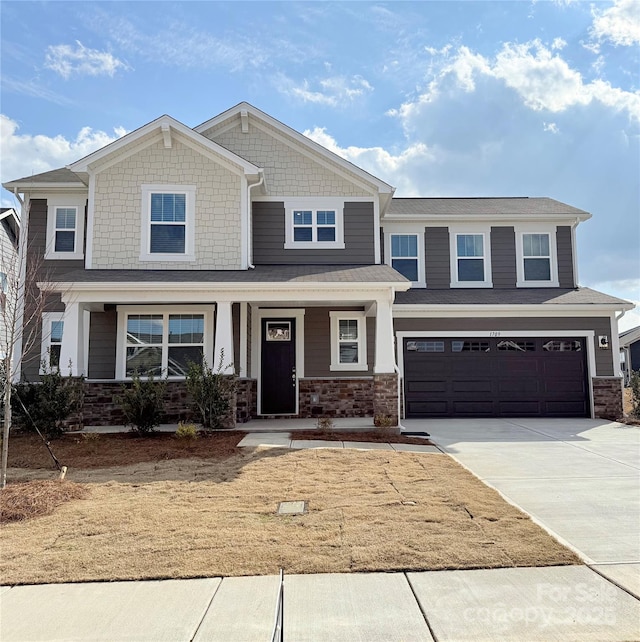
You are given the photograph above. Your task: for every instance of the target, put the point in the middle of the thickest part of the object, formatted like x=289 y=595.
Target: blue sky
x=437 y=98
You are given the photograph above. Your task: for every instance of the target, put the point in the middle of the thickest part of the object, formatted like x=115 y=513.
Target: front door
x=279 y=385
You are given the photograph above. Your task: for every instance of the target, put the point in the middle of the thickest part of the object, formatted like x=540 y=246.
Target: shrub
x=186 y=432
x=634 y=384
x=143 y=403
x=384 y=421
x=324 y=423
x=211 y=392
x=48 y=403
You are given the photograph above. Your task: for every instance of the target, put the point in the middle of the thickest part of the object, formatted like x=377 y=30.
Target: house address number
x=494 y=333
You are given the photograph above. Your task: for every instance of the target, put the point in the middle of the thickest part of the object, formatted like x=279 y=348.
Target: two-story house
x=330 y=297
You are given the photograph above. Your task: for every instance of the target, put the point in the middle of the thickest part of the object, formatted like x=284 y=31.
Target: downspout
x=250 y=222
x=396 y=368
x=17 y=195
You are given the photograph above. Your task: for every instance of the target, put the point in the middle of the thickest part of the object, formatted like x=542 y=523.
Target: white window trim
x=314 y=204
x=360 y=317
x=483 y=231
x=395 y=231
x=189 y=234
x=45 y=342
x=521 y=230
x=73 y=201
x=121 y=342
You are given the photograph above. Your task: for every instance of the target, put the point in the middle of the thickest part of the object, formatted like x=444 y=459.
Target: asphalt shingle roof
x=514 y=206
x=507 y=296
x=61 y=175
x=261 y=274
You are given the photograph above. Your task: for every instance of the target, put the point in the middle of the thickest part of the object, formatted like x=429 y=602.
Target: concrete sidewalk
x=525 y=604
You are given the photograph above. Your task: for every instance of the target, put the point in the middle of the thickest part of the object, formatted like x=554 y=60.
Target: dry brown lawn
x=177 y=518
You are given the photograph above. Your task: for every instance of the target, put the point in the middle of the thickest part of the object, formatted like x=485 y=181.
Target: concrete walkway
x=578 y=478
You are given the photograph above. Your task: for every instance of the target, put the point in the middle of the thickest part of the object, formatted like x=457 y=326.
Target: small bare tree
x=22 y=303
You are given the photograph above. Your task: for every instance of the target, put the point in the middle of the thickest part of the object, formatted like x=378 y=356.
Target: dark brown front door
x=278 y=370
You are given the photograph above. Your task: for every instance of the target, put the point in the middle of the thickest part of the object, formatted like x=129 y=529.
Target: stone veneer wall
x=607 y=397
x=246 y=400
x=100 y=406
x=385 y=396
x=339 y=397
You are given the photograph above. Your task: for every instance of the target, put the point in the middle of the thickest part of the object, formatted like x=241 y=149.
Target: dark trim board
x=495 y=377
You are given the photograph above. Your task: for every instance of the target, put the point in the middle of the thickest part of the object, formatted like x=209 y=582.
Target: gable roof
x=10 y=221
x=483 y=208
x=163 y=124
x=629 y=336
x=245 y=109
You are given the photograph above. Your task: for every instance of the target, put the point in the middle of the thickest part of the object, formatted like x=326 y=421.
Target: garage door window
x=469 y=346
x=425 y=346
x=516 y=346
x=562 y=346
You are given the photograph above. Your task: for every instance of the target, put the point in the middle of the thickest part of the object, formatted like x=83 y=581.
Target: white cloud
x=542 y=79
x=81 y=61
x=551 y=127
x=26 y=154
x=619 y=24
x=333 y=91
x=392 y=168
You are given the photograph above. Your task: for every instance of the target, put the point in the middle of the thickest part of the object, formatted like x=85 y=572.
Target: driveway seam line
x=204 y=615
x=595 y=570
x=424 y=615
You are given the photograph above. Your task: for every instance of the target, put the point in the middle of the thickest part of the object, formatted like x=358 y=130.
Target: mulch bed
x=373 y=436
x=89 y=451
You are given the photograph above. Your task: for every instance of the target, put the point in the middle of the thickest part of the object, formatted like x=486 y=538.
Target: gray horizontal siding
x=102 y=345
x=600 y=325
x=437 y=260
x=53 y=269
x=566 y=277
x=269 y=237
x=503 y=257
x=317 y=345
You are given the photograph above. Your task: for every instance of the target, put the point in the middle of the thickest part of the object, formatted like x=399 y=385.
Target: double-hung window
x=348 y=341
x=168 y=223
x=162 y=343
x=51 y=343
x=536 y=250
x=404 y=255
x=470 y=259
x=314 y=223
x=65 y=227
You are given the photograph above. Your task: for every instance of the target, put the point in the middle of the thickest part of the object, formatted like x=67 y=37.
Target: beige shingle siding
x=117 y=217
x=287 y=172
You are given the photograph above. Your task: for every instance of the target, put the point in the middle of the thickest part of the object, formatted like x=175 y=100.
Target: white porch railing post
x=385 y=353
x=224 y=337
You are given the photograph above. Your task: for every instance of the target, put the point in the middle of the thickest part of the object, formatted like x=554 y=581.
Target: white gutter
x=615 y=346
x=250 y=222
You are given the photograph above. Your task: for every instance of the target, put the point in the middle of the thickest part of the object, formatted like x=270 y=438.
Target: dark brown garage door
x=496 y=377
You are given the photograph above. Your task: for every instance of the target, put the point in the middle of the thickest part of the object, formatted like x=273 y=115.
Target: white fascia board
x=25 y=188
x=206 y=292
x=300 y=139
x=120 y=145
x=540 y=310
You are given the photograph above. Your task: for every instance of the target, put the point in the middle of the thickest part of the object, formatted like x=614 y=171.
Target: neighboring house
x=9 y=235
x=329 y=296
x=629 y=353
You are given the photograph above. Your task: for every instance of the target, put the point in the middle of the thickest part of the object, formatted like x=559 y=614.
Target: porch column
x=224 y=337
x=385 y=354
x=72 y=349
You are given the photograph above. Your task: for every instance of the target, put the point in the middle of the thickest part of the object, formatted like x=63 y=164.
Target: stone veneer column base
x=336 y=397
x=607 y=397
x=385 y=396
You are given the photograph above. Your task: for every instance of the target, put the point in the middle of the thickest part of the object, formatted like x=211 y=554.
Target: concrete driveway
x=579 y=478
